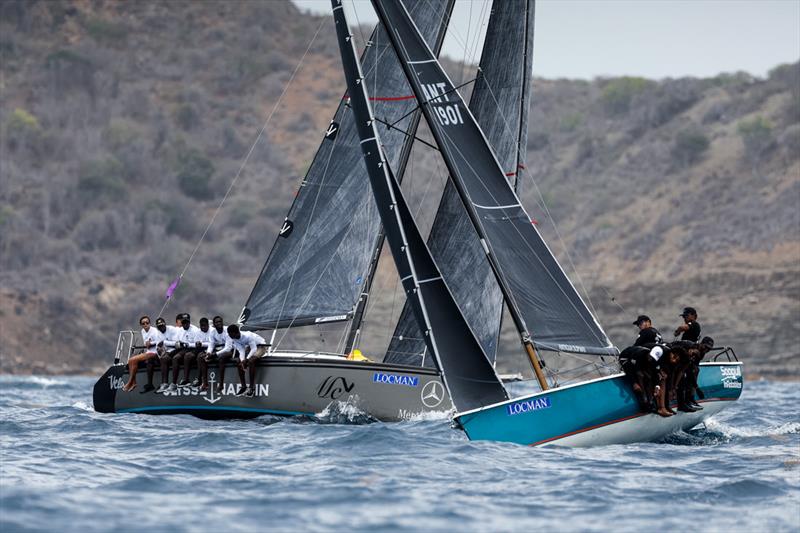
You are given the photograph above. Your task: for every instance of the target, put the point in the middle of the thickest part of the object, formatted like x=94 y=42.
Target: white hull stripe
x=367 y=140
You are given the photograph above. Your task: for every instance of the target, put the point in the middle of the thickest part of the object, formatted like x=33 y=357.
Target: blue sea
x=64 y=467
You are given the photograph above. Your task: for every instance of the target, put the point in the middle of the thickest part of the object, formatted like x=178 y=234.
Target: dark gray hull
x=287 y=386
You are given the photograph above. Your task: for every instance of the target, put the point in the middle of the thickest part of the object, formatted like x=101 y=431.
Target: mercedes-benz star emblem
x=432 y=394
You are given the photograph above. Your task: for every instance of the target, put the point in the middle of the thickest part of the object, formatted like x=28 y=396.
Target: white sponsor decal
x=115 y=382
x=432 y=394
x=571 y=348
x=730 y=377
x=228 y=389
x=330 y=318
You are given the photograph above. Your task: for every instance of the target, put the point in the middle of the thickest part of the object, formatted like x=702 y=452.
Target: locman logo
x=528 y=405
x=395 y=379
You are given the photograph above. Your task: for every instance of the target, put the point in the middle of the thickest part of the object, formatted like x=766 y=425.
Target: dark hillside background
x=122 y=125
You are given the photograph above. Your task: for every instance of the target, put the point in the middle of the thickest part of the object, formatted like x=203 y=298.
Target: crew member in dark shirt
x=648 y=335
x=690 y=328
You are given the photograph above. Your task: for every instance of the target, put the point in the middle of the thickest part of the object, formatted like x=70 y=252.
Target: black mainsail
x=472 y=381
x=535 y=287
x=499 y=102
x=321 y=261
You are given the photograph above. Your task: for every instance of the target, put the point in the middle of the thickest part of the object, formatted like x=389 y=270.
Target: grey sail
x=500 y=105
x=543 y=302
x=320 y=261
x=472 y=381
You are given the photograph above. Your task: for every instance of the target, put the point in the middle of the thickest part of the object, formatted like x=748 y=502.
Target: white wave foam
x=787 y=428
x=425 y=416
x=83 y=406
x=45 y=382
x=339 y=412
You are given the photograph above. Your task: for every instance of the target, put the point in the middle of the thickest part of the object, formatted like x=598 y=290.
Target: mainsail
x=500 y=105
x=472 y=381
x=536 y=289
x=320 y=262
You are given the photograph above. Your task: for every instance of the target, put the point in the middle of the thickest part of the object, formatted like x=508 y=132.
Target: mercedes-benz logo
x=432 y=394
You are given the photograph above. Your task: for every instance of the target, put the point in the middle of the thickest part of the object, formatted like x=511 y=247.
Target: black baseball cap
x=640 y=319
x=161 y=322
x=185 y=316
x=688 y=311
x=708 y=341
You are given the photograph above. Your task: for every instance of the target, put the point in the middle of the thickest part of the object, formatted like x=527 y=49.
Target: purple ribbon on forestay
x=173 y=286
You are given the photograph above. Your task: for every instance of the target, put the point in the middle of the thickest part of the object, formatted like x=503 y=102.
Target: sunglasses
x=144 y=323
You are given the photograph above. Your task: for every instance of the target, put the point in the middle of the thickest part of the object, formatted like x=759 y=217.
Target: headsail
x=538 y=292
x=500 y=105
x=472 y=381
x=321 y=259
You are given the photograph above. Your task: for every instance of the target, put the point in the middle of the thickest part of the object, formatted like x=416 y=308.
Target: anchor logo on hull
x=210 y=397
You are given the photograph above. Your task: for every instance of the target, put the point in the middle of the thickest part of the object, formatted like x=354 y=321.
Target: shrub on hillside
x=194 y=174
x=71 y=70
x=186 y=117
x=690 y=144
x=105 y=31
x=23 y=129
x=757 y=138
x=618 y=93
x=102 y=178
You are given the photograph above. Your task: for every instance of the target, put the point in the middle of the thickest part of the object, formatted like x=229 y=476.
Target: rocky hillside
x=124 y=123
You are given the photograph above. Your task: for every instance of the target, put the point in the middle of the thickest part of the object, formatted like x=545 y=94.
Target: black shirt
x=693 y=333
x=649 y=336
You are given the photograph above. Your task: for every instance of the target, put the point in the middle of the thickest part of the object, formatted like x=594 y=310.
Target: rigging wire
x=244 y=163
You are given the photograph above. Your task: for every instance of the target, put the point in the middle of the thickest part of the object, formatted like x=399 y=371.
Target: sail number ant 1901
x=448 y=114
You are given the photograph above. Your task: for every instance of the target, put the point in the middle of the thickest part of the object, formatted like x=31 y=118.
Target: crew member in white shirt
x=170 y=350
x=251 y=347
x=190 y=343
x=151 y=337
x=219 y=348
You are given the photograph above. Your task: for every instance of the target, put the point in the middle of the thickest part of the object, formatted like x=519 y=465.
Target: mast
x=470 y=378
x=354 y=332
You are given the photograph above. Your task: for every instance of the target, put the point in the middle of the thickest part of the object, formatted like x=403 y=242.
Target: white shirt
x=171 y=336
x=154 y=336
x=191 y=336
x=217 y=342
x=248 y=339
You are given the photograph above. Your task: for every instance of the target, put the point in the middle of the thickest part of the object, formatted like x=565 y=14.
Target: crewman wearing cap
x=690 y=328
x=189 y=343
x=648 y=335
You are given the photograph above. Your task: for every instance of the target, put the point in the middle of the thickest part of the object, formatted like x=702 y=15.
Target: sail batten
x=320 y=263
x=541 y=298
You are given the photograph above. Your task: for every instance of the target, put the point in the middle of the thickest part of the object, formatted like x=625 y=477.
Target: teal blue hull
x=598 y=412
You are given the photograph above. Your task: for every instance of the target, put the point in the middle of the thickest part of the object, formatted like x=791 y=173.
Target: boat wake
x=717 y=432
x=347 y=412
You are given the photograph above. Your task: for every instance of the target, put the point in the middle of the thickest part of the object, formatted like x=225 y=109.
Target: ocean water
x=64 y=467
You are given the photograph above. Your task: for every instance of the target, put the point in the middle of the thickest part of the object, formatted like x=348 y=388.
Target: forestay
x=500 y=101
x=538 y=292
x=319 y=262
x=472 y=381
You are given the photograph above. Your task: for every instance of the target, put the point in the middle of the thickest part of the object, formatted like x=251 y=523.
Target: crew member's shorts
x=261 y=349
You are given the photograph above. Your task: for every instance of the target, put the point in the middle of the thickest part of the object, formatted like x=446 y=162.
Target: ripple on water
x=64 y=464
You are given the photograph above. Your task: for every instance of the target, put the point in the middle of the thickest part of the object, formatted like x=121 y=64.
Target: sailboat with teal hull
x=533 y=286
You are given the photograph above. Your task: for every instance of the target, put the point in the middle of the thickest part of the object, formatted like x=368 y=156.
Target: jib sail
x=500 y=101
x=539 y=294
x=472 y=381
x=321 y=258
